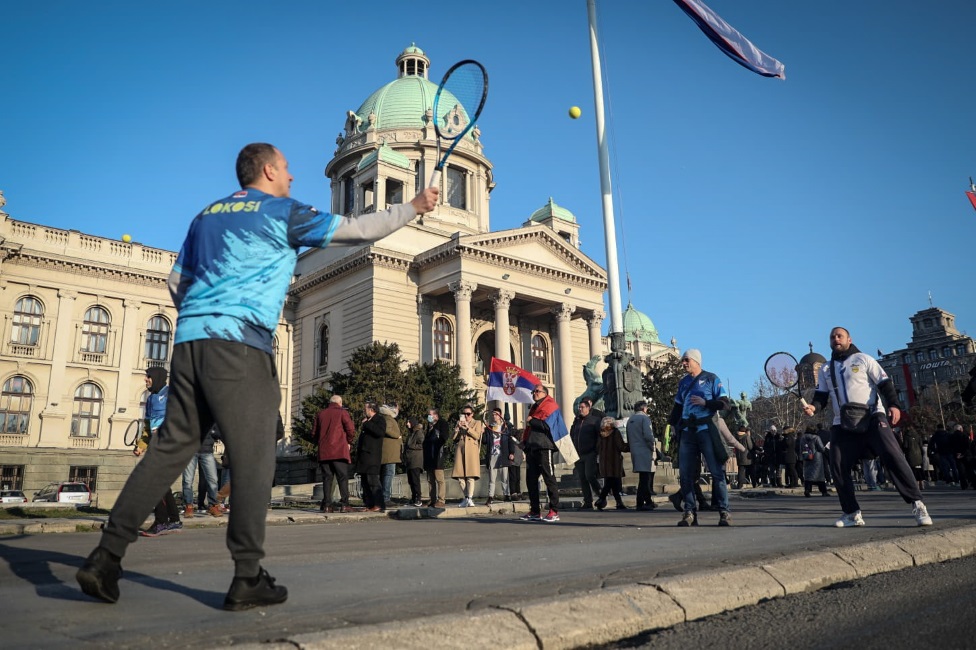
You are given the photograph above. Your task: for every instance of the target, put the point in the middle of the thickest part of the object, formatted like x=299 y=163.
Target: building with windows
x=938 y=355
x=83 y=316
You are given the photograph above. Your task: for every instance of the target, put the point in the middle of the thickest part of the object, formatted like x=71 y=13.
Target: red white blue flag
x=730 y=41
x=509 y=383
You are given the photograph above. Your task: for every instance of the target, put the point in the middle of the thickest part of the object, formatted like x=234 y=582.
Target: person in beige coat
x=467 y=454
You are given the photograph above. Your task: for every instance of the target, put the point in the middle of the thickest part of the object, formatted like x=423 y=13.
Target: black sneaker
x=676 y=500
x=99 y=575
x=246 y=593
x=724 y=518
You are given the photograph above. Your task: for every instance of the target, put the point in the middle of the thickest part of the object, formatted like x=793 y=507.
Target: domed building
x=446 y=286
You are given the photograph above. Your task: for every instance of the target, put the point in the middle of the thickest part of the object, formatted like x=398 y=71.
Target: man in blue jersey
x=700 y=396
x=865 y=408
x=229 y=284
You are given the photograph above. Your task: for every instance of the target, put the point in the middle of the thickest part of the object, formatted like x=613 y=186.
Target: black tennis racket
x=457 y=106
x=781 y=372
x=132 y=433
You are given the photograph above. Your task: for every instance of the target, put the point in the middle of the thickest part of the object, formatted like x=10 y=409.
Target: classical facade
x=938 y=354
x=84 y=316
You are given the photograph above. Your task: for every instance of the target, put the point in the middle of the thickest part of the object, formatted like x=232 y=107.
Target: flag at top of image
x=509 y=383
x=730 y=41
x=972 y=193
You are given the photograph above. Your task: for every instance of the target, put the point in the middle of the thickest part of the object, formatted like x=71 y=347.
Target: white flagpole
x=613 y=271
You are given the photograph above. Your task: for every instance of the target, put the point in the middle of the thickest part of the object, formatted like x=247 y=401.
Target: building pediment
x=536 y=249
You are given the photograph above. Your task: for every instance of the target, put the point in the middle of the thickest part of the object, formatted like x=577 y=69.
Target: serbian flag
x=972 y=198
x=547 y=409
x=509 y=383
x=730 y=41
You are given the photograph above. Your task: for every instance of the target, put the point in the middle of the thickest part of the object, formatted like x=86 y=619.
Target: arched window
x=323 y=347
x=15 y=405
x=443 y=339
x=94 y=331
x=540 y=355
x=456 y=188
x=87 y=411
x=919 y=357
x=27 y=321
x=933 y=354
x=157 y=340
x=947 y=351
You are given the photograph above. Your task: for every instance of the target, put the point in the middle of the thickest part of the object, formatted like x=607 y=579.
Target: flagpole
x=613 y=271
x=616 y=358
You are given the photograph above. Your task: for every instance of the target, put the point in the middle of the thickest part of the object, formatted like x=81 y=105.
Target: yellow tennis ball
x=575 y=112
x=127 y=238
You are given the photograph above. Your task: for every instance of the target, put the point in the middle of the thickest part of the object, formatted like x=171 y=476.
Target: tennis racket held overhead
x=457 y=106
x=781 y=372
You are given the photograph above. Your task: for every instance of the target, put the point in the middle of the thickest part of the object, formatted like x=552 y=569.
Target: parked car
x=74 y=493
x=12 y=496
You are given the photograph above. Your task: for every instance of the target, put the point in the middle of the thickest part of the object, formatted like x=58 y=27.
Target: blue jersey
x=156 y=407
x=234 y=268
x=706 y=385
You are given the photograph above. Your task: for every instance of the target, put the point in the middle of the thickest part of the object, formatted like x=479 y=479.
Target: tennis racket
x=132 y=433
x=781 y=371
x=457 y=106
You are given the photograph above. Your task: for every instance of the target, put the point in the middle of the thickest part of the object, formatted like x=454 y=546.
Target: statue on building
x=740 y=410
x=353 y=122
x=3 y=202
x=594 y=385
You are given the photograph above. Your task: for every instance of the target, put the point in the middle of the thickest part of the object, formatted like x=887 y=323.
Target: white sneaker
x=849 y=520
x=921 y=514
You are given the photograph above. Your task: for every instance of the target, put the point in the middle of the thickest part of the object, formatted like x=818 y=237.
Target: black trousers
x=338 y=471
x=538 y=463
x=848 y=448
x=514 y=479
x=612 y=485
x=211 y=381
x=413 y=479
x=372 y=489
x=587 y=473
x=644 y=482
x=166 y=511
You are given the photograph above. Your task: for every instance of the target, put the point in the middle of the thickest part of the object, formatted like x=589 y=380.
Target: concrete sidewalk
x=608 y=615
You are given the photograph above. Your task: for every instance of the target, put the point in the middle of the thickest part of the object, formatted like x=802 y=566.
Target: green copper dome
x=403 y=103
x=638 y=327
x=550 y=209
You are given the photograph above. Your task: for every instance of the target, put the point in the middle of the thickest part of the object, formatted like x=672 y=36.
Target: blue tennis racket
x=457 y=106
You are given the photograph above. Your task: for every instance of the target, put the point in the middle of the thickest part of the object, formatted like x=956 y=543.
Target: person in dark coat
x=437 y=433
x=610 y=447
x=584 y=433
x=413 y=459
x=911 y=444
x=771 y=447
x=790 y=457
x=369 y=458
x=744 y=458
x=810 y=449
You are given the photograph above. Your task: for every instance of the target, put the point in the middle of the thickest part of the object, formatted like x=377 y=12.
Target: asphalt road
x=342 y=574
x=931 y=607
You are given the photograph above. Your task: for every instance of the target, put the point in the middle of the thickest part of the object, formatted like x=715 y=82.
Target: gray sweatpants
x=237 y=387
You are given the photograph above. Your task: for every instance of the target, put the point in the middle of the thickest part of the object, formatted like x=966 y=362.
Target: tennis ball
x=126 y=238
x=575 y=112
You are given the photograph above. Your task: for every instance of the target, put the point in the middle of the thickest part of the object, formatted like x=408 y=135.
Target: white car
x=74 y=493
x=12 y=496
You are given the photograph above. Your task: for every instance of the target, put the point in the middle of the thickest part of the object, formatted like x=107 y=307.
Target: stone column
x=594 y=323
x=503 y=340
x=564 y=384
x=465 y=357
x=426 y=311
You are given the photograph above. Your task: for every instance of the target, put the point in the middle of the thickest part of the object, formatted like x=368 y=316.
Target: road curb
x=607 y=615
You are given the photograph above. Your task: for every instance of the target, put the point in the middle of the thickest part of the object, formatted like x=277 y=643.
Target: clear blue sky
x=753 y=214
